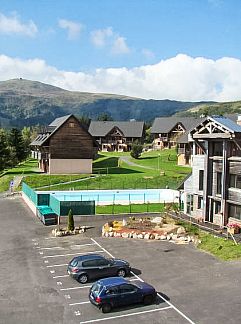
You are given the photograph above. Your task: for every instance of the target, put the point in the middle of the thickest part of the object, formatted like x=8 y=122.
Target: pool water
x=122 y=197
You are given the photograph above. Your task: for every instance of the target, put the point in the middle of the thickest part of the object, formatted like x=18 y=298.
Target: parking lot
x=193 y=287
x=55 y=253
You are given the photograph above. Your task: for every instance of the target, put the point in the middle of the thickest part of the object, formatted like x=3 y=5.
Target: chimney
x=239 y=120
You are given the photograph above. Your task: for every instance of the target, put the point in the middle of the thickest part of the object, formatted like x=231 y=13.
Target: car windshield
x=96 y=288
x=111 y=260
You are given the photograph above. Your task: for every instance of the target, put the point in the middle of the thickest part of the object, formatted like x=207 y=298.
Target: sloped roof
x=49 y=130
x=166 y=124
x=227 y=123
x=129 y=129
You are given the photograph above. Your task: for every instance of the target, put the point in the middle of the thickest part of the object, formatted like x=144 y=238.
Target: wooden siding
x=234 y=195
x=235 y=167
x=71 y=142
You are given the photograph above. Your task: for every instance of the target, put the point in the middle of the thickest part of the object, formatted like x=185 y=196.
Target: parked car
x=93 y=266
x=113 y=292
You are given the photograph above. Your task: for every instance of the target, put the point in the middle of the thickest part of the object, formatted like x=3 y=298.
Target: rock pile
x=64 y=232
x=179 y=236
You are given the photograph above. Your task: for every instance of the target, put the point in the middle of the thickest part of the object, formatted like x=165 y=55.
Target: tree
x=136 y=150
x=70 y=221
x=4 y=151
x=104 y=117
x=16 y=144
x=27 y=136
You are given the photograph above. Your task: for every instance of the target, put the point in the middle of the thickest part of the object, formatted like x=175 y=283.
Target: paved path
x=126 y=159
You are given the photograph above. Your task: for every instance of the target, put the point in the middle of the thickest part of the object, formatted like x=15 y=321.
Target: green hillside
x=221 y=108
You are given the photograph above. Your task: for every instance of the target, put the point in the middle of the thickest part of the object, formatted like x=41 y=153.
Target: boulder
x=163 y=237
x=181 y=230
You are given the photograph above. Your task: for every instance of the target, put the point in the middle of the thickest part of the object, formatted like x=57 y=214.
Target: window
x=238 y=182
x=201 y=174
x=112 y=291
x=235 y=181
x=217 y=207
x=200 y=202
x=90 y=263
x=126 y=288
x=189 y=204
x=102 y=262
x=232 y=181
x=219 y=183
x=71 y=125
x=234 y=211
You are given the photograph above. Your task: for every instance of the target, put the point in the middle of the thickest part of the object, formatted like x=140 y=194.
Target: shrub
x=136 y=150
x=70 y=221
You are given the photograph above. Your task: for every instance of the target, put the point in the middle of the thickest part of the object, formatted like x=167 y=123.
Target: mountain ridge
x=25 y=103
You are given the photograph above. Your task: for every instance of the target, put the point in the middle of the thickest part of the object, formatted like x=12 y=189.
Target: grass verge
x=133 y=208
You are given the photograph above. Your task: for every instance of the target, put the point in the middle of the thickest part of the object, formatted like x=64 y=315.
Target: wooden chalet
x=64 y=146
x=213 y=191
x=116 y=136
x=167 y=130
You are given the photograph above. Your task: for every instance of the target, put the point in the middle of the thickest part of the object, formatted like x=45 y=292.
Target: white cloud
x=110 y=39
x=120 y=46
x=179 y=78
x=99 y=37
x=72 y=27
x=12 y=25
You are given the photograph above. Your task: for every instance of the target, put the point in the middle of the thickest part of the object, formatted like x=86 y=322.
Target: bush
x=136 y=150
x=70 y=221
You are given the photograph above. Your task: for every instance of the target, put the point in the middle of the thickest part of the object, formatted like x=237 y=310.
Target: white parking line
x=160 y=296
x=126 y=315
x=73 y=288
x=81 y=303
x=63 y=276
x=69 y=254
x=80 y=245
x=57 y=265
x=51 y=248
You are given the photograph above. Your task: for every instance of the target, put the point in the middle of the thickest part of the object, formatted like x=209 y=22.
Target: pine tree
x=70 y=221
x=16 y=143
x=4 y=151
x=136 y=150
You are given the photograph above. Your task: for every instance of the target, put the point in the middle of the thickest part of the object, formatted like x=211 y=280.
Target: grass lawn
x=113 y=174
x=26 y=168
x=222 y=248
x=133 y=208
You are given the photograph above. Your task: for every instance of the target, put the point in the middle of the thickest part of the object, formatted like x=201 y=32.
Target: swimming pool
x=121 y=197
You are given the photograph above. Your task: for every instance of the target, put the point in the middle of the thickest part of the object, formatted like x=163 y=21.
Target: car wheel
x=147 y=300
x=121 y=273
x=106 y=308
x=83 y=278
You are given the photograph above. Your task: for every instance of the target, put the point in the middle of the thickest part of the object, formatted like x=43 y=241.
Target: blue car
x=116 y=291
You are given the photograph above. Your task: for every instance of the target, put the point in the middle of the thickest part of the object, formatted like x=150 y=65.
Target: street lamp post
x=158 y=161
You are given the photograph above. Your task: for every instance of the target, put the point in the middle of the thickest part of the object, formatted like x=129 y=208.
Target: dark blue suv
x=116 y=291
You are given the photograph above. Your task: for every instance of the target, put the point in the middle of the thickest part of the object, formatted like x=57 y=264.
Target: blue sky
x=123 y=46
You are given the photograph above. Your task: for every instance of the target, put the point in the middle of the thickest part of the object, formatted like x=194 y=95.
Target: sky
x=188 y=50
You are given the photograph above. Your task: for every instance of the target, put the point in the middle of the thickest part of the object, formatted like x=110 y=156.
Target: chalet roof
x=183 y=138
x=129 y=129
x=227 y=123
x=166 y=124
x=49 y=130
